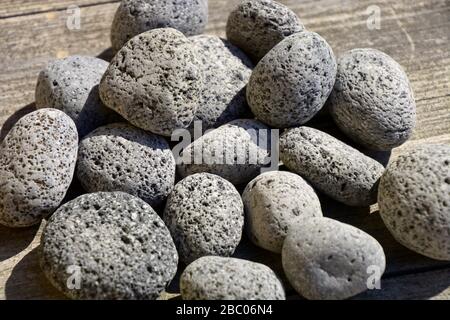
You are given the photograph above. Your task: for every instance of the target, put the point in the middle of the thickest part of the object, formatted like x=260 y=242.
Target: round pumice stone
x=329 y=260
x=273 y=201
x=205 y=216
x=137 y=16
x=372 y=101
x=154 y=81
x=293 y=81
x=120 y=157
x=256 y=26
x=108 y=245
x=71 y=85
x=236 y=151
x=331 y=166
x=226 y=71
x=219 y=278
x=414 y=200
x=37 y=163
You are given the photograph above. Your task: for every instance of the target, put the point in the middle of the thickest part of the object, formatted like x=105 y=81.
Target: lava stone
x=108 y=245
x=120 y=157
x=331 y=166
x=37 y=162
x=256 y=26
x=326 y=259
x=293 y=81
x=219 y=278
x=154 y=81
x=372 y=101
x=414 y=200
x=205 y=216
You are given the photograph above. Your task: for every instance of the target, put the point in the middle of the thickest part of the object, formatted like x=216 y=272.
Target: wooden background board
x=414 y=32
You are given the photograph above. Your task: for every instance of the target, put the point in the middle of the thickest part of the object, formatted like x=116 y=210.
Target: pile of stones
x=151 y=207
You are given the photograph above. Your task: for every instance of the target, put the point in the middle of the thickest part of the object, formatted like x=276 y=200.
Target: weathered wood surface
x=415 y=33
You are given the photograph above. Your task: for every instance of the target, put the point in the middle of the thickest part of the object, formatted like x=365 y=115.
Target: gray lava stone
x=273 y=201
x=256 y=26
x=372 y=101
x=137 y=16
x=232 y=151
x=219 y=278
x=154 y=81
x=414 y=200
x=205 y=216
x=116 y=245
x=71 y=85
x=226 y=71
x=120 y=157
x=37 y=162
x=293 y=81
x=326 y=259
x=331 y=166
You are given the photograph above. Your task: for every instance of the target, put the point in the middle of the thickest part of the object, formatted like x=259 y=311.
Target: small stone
x=414 y=200
x=37 y=162
x=218 y=278
x=326 y=259
x=114 y=242
x=273 y=201
x=293 y=81
x=120 y=157
x=154 y=81
x=372 y=101
x=236 y=151
x=331 y=166
x=137 y=16
x=205 y=216
x=226 y=71
x=256 y=26
x=71 y=85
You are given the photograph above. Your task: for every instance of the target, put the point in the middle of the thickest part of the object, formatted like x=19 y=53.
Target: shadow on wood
x=11 y=121
x=15 y=240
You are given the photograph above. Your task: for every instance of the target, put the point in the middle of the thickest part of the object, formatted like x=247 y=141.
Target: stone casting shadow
x=11 y=121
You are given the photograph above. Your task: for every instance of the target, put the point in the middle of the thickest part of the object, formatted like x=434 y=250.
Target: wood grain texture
x=415 y=33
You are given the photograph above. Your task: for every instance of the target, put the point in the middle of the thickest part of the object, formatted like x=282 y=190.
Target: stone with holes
x=256 y=26
x=331 y=166
x=372 y=101
x=71 y=85
x=326 y=259
x=108 y=245
x=226 y=72
x=155 y=81
x=120 y=157
x=414 y=200
x=293 y=81
x=219 y=278
x=137 y=16
x=37 y=162
x=205 y=216
x=273 y=201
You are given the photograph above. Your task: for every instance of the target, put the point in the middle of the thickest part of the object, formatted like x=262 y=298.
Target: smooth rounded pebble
x=205 y=216
x=108 y=245
x=120 y=157
x=414 y=200
x=331 y=166
x=137 y=16
x=273 y=201
x=235 y=151
x=154 y=81
x=293 y=81
x=218 y=278
x=256 y=26
x=372 y=101
x=326 y=259
x=37 y=162
x=226 y=71
x=71 y=85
